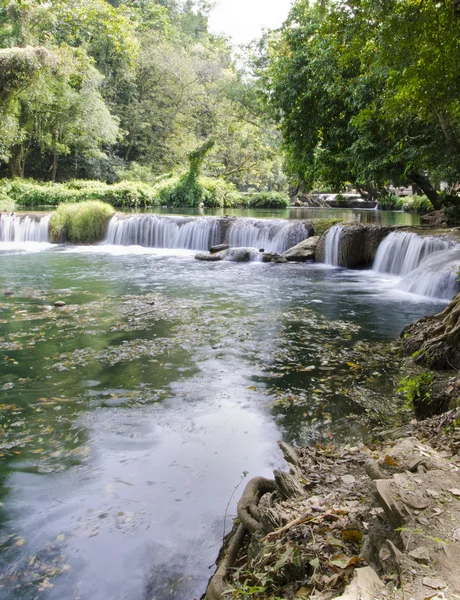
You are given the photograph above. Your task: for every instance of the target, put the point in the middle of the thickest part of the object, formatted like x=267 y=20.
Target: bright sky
x=243 y=20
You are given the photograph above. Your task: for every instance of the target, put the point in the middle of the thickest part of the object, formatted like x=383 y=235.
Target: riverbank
x=363 y=522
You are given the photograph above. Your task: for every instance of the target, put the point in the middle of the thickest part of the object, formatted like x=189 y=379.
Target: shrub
x=129 y=194
x=6 y=203
x=80 y=223
x=390 y=202
x=418 y=204
x=219 y=193
x=268 y=200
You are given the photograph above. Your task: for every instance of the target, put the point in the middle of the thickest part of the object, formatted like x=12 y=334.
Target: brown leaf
x=388 y=460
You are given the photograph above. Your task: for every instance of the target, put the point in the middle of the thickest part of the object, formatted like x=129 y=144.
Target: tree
x=367 y=92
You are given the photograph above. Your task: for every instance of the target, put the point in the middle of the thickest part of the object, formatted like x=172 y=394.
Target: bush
x=219 y=193
x=6 y=203
x=80 y=223
x=268 y=200
x=126 y=193
x=390 y=202
x=418 y=204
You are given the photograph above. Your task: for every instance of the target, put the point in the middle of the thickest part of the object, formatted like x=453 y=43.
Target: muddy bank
x=363 y=522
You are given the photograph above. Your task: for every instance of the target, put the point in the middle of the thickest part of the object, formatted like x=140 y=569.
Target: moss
x=80 y=223
x=322 y=225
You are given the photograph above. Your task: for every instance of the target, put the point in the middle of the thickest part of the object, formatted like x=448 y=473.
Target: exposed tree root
x=435 y=340
x=248 y=513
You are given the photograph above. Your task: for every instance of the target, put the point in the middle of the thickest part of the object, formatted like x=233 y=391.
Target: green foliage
x=418 y=204
x=417 y=389
x=359 y=100
x=6 y=203
x=267 y=200
x=80 y=223
x=390 y=202
x=123 y=194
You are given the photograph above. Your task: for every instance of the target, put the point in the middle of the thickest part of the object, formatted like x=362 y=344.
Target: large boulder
x=218 y=248
x=303 y=251
x=358 y=244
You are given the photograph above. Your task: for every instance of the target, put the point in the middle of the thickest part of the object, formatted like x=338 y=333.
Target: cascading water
x=270 y=234
x=436 y=277
x=202 y=232
x=17 y=228
x=401 y=252
x=332 y=245
x=163 y=232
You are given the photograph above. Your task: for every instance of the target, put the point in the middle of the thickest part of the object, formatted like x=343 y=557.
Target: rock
x=434 y=584
x=358 y=244
x=59 y=303
x=273 y=257
x=210 y=257
x=387 y=501
x=241 y=254
x=303 y=251
x=8 y=293
x=366 y=585
x=420 y=555
x=348 y=479
x=218 y=248
x=457 y=534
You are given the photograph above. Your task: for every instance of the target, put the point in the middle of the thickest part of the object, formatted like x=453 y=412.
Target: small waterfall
x=199 y=233
x=273 y=235
x=331 y=245
x=17 y=228
x=402 y=252
x=436 y=277
x=164 y=232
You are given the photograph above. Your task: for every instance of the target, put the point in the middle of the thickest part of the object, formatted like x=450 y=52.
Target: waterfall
x=331 y=245
x=199 y=233
x=273 y=235
x=402 y=252
x=17 y=228
x=163 y=232
x=436 y=277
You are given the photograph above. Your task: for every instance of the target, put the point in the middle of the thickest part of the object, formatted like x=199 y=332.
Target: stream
x=130 y=415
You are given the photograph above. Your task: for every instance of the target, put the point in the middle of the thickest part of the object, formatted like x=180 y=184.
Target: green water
x=129 y=415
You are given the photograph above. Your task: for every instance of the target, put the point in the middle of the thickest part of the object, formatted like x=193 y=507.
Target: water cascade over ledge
x=199 y=233
x=401 y=252
x=332 y=245
x=17 y=228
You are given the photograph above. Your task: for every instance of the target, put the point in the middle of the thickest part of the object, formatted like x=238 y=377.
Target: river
x=131 y=414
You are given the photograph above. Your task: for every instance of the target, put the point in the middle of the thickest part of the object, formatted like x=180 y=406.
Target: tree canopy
x=368 y=92
x=91 y=88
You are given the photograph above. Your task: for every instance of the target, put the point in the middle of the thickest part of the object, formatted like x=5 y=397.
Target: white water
x=16 y=228
x=436 y=277
x=273 y=235
x=402 y=252
x=332 y=244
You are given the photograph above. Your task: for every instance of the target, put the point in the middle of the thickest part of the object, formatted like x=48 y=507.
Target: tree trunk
x=422 y=182
x=448 y=130
x=434 y=342
x=54 y=167
x=17 y=162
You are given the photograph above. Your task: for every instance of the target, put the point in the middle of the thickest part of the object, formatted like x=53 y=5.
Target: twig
x=298 y=521
x=244 y=474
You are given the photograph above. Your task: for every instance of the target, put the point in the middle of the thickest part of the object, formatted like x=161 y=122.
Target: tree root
x=435 y=340
x=248 y=513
